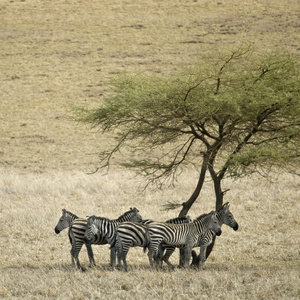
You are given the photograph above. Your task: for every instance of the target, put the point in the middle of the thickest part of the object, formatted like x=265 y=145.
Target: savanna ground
x=57 y=53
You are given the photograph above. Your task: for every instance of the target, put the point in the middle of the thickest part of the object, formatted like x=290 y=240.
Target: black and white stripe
x=77 y=228
x=65 y=221
x=104 y=229
x=224 y=216
x=131 y=234
x=187 y=235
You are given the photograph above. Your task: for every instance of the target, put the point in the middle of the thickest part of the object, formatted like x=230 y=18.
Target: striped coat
x=183 y=235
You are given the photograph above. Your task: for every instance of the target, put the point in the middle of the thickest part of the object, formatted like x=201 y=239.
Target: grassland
x=57 y=53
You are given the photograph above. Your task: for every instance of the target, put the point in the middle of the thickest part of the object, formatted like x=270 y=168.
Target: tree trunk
x=219 y=202
x=218 y=192
x=187 y=205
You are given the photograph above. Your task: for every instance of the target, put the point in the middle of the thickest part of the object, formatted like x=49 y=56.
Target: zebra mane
x=179 y=219
x=93 y=218
x=130 y=212
x=133 y=210
x=201 y=217
x=225 y=205
x=66 y=212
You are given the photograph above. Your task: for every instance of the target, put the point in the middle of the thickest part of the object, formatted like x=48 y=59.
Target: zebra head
x=214 y=224
x=64 y=221
x=226 y=217
x=131 y=215
x=136 y=217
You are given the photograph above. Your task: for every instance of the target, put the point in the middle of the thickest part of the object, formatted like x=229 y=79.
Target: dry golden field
x=55 y=53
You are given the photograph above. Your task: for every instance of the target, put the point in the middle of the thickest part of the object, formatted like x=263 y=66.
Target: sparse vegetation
x=259 y=261
x=57 y=53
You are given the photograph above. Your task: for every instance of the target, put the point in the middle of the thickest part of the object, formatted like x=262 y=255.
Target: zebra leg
x=90 y=254
x=113 y=254
x=119 y=247
x=73 y=246
x=124 y=255
x=152 y=252
x=150 y=256
x=169 y=251
x=201 y=265
x=76 y=247
x=188 y=253
x=159 y=257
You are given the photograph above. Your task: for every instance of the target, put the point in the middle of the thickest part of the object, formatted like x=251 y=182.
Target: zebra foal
x=183 y=235
x=107 y=229
x=131 y=234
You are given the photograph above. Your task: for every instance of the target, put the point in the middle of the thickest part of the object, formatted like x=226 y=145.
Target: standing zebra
x=224 y=216
x=128 y=235
x=131 y=234
x=183 y=235
x=77 y=227
x=65 y=221
x=106 y=229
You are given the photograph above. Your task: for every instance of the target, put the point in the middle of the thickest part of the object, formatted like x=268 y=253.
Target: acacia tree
x=232 y=115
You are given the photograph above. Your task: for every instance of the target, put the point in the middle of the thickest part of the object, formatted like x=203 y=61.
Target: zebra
x=65 y=221
x=106 y=229
x=188 y=235
x=223 y=215
x=77 y=227
x=131 y=234
x=128 y=235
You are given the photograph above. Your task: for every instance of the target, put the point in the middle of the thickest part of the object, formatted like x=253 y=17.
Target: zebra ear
x=226 y=205
x=63 y=211
x=134 y=209
x=91 y=219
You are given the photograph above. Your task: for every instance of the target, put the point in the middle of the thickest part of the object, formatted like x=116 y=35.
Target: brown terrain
x=55 y=54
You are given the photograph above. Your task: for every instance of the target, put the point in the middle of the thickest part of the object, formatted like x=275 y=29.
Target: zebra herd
x=130 y=230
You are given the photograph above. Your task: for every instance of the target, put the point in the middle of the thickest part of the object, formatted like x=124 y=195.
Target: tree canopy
x=231 y=114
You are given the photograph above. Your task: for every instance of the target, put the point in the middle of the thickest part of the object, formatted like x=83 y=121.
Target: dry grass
x=260 y=261
x=57 y=53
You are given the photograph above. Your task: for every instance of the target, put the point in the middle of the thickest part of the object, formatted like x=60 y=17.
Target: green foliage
x=242 y=110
